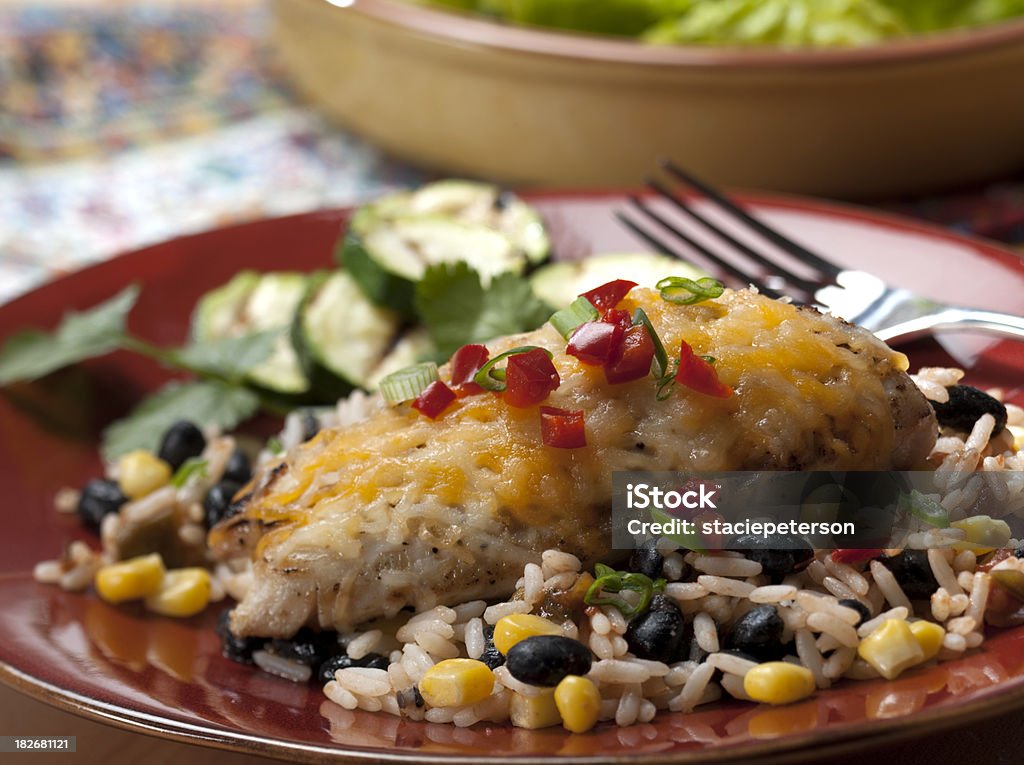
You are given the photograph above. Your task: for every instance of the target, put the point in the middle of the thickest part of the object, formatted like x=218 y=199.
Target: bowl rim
x=465 y=30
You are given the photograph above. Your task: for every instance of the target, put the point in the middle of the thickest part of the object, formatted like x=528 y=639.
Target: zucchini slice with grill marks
x=253 y=302
x=340 y=335
x=558 y=284
x=391 y=242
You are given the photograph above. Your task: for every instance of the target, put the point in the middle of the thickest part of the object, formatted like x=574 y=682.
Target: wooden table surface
x=999 y=741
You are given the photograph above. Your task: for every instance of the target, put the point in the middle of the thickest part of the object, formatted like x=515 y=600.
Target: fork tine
x=787 y=244
x=796 y=280
x=659 y=244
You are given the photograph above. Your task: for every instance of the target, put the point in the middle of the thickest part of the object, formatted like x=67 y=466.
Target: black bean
x=233 y=647
x=859 y=607
x=98 y=499
x=217 y=502
x=546 y=659
x=238 y=468
x=913 y=572
x=310 y=424
x=1019 y=552
x=779 y=555
x=491 y=656
x=307 y=647
x=965 y=406
x=663 y=603
x=181 y=441
x=647 y=560
x=758 y=633
x=332 y=664
x=374 y=661
x=657 y=635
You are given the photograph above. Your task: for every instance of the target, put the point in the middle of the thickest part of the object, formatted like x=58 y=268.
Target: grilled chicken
x=399 y=510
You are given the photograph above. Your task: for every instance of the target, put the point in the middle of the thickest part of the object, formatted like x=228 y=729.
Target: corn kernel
x=141 y=472
x=984 y=533
x=533 y=712
x=130 y=579
x=578 y=702
x=891 y=648
x=455 y=682
x=929 y=636
x=183 y=592
x=511 y=629
x=778 y=682
x=1018 y=437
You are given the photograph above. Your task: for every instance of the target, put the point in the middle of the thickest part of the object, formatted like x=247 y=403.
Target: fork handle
x=956 y=319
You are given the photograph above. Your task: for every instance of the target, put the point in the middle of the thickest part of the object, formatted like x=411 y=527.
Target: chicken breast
x=399 y=510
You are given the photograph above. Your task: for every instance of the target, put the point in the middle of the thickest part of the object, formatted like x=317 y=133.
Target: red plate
x=168 y=677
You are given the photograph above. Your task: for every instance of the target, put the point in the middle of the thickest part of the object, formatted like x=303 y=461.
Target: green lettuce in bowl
x=782 y=23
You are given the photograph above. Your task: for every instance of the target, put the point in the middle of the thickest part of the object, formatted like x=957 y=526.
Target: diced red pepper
x=634 y=359
x=607 y=296
x=849 y=556
x=434 y=399
x=562 y=428
x=466 y=362
x=529 y=378
x=595 y=342
x=622 y=319
x=699 y=375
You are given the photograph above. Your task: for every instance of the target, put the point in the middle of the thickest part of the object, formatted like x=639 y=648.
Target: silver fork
x=893 y=313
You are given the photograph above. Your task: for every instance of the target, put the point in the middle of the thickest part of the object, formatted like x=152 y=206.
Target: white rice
x=719 y=565
x=773 y=593
x=705 y=632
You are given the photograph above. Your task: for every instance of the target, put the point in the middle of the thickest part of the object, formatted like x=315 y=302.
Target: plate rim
x=997 y=699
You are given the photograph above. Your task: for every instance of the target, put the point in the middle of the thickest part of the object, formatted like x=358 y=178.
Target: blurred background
x=125 y=123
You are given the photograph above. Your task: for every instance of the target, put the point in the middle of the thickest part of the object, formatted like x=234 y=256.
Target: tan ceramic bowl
x=530 y=107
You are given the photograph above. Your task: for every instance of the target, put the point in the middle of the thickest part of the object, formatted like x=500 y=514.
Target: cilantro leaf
x=227 y=358
x=208 y=402
x=32 y=353
x=457 y=309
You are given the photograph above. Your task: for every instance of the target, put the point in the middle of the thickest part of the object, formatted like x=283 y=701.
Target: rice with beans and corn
x=766 y=626
x=760 y=625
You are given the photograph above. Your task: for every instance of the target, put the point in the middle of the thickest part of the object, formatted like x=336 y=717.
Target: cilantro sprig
x=457 y=309
x=219 y=397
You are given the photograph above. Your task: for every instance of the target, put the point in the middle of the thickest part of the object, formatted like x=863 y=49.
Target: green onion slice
x=683 y=291
x=274 y=445
x=660 y=363
x=406 y=384
x=667 y=382
x=580 y=311
x=490 y=378
x=927 y=509
x=193 y=466
x=609 y=581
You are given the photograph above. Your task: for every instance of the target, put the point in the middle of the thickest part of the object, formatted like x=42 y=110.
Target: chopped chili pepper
x=855 y=556
x=529 y=378
x=634 y=359
x=699 y=375
x=607 y=296
x=619 y=318
x=466 y=362
x=595 y=342
x=562 y=428
x=434 y=399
